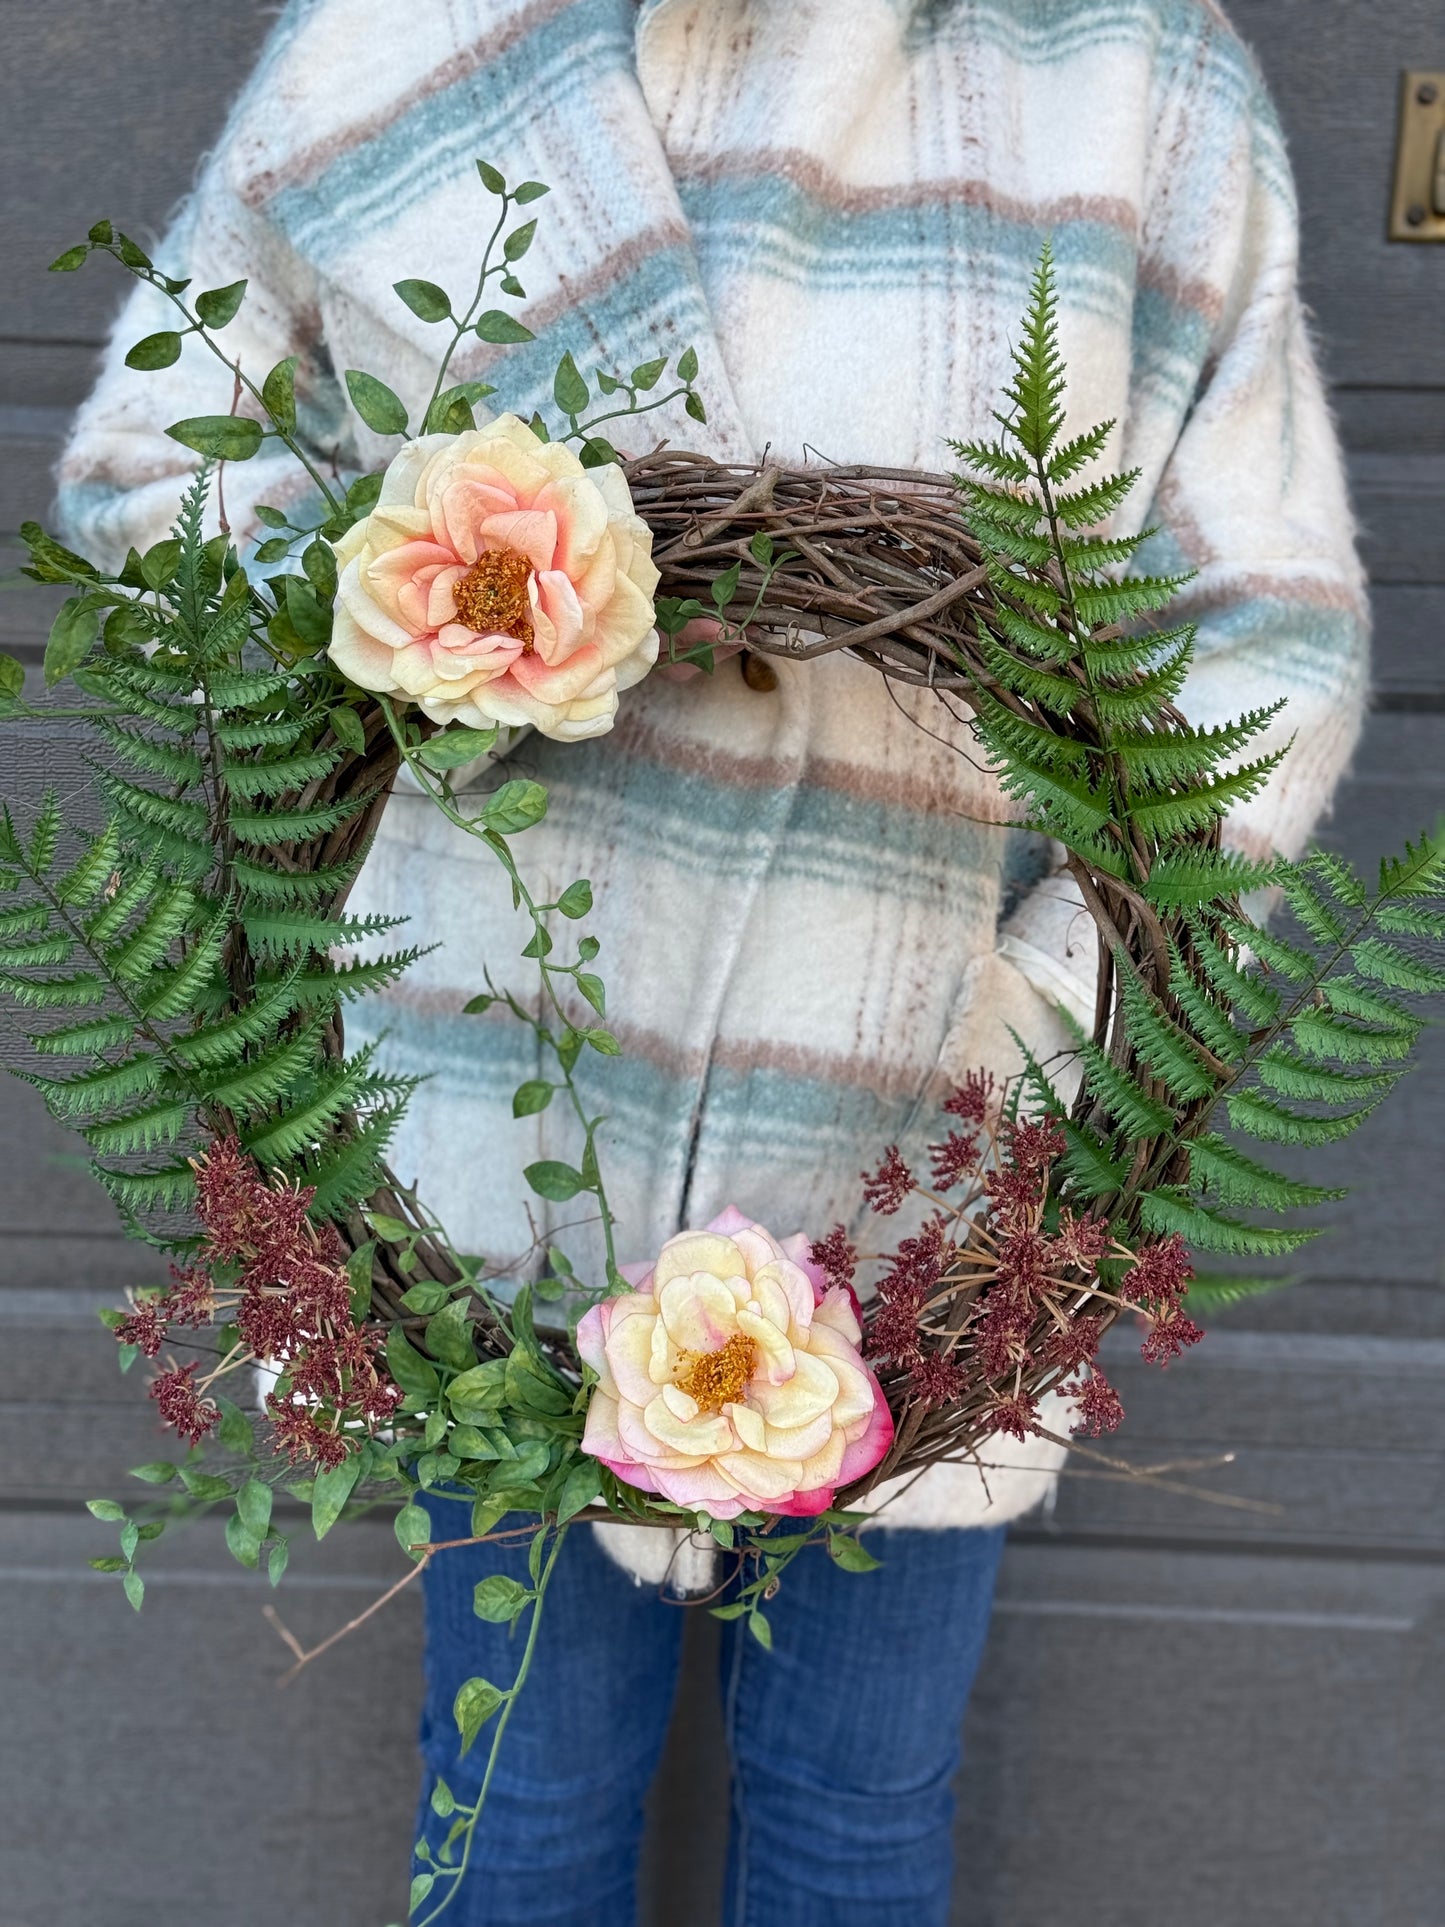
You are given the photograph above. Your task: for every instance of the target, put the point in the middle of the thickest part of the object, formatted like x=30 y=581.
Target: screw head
x=1427 y=93
x=1415 y=214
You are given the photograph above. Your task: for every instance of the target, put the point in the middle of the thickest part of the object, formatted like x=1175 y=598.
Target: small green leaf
x=518 y=241
x=12 y=678
x=515 y=806
x=582 y=1485
x=449 y=1335
x=235 y=1432
x=687 y=365
x=157 y=1472
x=498 y=1598
x=597 y=452
x=528 y=192
x=726 y=587
x=208 y=1487
x=135 y=1589
x=648 y=373
x=529 y=1098
x=497 y=326
x=761 y=1631
x=413 y=1527
x=761 y=548
x=275 y=549
x=456 y=746
x=426 y=1297
x=693 y=406
x=412 y=1372
x=364 y=493
x=603 y=1042
x=106 y=1509
x=539 y=427
x=421 y=1886
x=226 y=438
x=242 y=1544
x=593 y=989
x=476 y=1701
x=426 y=300
x=102 y=234
x=333 y=1487
x=569 y=390
x=846 y=1551
x=73 y=635
x=576 y=900
x=492 y=181
x=160 y=562
x=383 y=411
x=155 y=351
x=346 y=727
x=553 y=1180
x=253 y=1504
x=217 y=306
x=278 y=395
x=475 y=1006
x=277 y=1560
x=75 y=257
x=110 y=1563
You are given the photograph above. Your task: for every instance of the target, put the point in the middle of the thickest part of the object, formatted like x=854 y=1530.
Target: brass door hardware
x=1417 y=205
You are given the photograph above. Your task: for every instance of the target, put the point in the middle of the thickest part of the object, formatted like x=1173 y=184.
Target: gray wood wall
x=1189 y=1716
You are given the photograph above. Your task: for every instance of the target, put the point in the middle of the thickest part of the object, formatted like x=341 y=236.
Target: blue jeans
x=844 y=1739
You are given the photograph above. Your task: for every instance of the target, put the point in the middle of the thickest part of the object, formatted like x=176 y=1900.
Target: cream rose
x=498 y=581
x=730 y=1380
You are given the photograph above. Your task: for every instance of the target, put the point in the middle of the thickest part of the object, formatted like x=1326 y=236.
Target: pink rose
x=498 y=581
x=730 y=1380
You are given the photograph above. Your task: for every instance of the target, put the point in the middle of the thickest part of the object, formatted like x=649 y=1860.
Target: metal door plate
x=1417 y=205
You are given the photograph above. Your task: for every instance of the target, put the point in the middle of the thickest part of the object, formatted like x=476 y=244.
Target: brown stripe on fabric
x=822 y=184
x=1309 y=591
x=1182 y=291
x=307 y=162
x=866 y=784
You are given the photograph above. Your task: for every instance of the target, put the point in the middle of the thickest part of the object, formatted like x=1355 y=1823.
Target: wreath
x=178 y=973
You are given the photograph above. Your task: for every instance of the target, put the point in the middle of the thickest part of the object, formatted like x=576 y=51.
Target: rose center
x=491 y=597
x=715 y=1379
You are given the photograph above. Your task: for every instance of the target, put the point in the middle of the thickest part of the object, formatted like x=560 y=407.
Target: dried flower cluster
x=1002 y=1292
x=266 y=1267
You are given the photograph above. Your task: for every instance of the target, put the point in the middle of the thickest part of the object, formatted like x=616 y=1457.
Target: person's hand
x=702 y=629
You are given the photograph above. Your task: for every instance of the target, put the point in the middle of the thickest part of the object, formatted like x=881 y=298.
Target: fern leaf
x=1190 y=879
x=89 y=876
x=346 y=1171
x=1196 y=809
x=1130 y=704
x=1065 y=462
x=73 y=992
x=1180 y=755
x=1160 y=1043
x=1242 y=989
x=261 y=830
x=262 y=1082
x=1086 y=508
x=132 y=896
x=335 y=1091
x=229 y=1040
x=173 y=993
x=1168 y=1212
x=153 y=936
x=245 y=689
x=296 y=934
x=39 y=953
x=1341 y=879
x=237 y=736
x=1295 y=1076
x=1099 y=603
x=284 y=774
x=167 y=1187
x=991 y=458
x=45 y=836
x=1420 y=872
x=1261 y=1117
x=24 y=921
x=1089 y=1165
x=1319 y=917
x=1322 y=1033
x=1348 y=996
x=1057 y=694
x=1212 y=1290
x=100 y=1089
x=1036 y=393
x=1403 y=920
x=142 y=1130
x=179 y=816
x=1211 y=1024
x=1298 y=965
x=1088 y=555
x=1042 y=640
x=89 y=1038
x=262 y=883
x=1131 y=1109
x=1221 y=1167
x=1384 y=963
x=172 y=762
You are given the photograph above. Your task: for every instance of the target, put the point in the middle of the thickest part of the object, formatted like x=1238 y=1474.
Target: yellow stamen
x=491 y=597
x=715 y=1379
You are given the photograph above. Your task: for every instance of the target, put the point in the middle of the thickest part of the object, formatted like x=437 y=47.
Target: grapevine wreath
x=180 y=948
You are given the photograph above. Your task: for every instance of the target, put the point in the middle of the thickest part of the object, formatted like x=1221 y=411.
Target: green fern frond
x=262 y=829
x=179 y=816
x=1288 y=959
x=1064 y=463
x=142 y=1130
x=277 y=778
x=1167 y=1049
x=1341 y=879
x=245 y=689
x=163 y=923
x=131 y=897
x=175 y=992
x=1211 y=1291
x=1086 y=508
x=1322 y=1033
x=1221 y=1167
x=1385 y=963
x=1301 y=1076
x=26 y=920
x=1261 y=1117
x=1131 y=704
x=142 y=1194
x=1059 y=695
x=1196 y=809
x=1190 y=879
x=1211 y=1024
x=89 y=1038
x=1402 y=920
x=262 y=883
x=340 y=1088
x=263 y=1082
x=1244 y=990
x=282 y=734
x=345 y=1173
x=1130 y=1108
x=1319 y=917
x=85 y=880
x=1131 y=596
x=1420 y=872
x=1182 y=755
x=1004 y=538
x=45 y=836
x=1091 y=1168
x=352 y=980
x=99 y=1090
x=173 y=763
x=296 y=934
x=228 y=1040
x=1087 y=555
x=1041 y=639
x=74 y=992
x=38 y=954
x=1169 y=1212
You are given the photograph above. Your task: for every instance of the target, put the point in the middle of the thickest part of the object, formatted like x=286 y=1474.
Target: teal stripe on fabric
x=556 y=70
x=1050 y=32
x=1306 y=646
x=765 y=223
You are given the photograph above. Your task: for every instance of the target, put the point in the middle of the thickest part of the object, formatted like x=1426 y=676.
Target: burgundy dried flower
x=1097 y=1407
x=300 y=1436
x=1003 y=1334
x=146 y=1325
x=181 y=1404
x=1169 y=1334
x=955 y=1159
x=837 y=1256
x=1034 y=1143
x=973 y=1099
x=1160 y=1274
x=1016 y=1415
x=935 y=1380
x=1082 y=1242
x=1078 y=1345
x=1024 y=1263
x=887 y=1187
x=893 y=1330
